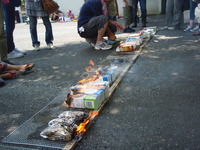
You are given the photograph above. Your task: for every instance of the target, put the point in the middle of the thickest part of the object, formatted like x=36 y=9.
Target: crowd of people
x=97 y=19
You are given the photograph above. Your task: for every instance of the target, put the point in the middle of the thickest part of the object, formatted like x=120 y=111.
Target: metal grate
x=29 y=132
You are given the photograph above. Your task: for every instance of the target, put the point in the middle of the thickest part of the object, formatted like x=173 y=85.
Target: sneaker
x=110 y=42
x=16 y=50
x=15 y=54
x=128 y=30
x=194 y=29
x=171 y=28
x=165 y=27
x=102 y=46
x=50 y=46
x=144 y=25
x=37 y=47
x=187 y=29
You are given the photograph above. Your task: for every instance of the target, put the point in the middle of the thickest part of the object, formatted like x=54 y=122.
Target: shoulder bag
x=50 y=6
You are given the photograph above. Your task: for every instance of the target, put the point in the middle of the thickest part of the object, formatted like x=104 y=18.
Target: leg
x=169 y=13
x=193 y=5
x=135 y=17
x=3 y=46
x=17 y=17
x=49 y=32
x=177 y=14
x=143 y=12
x=33 y=30
x=127 y=16
x=9 y=15
x=102 y=32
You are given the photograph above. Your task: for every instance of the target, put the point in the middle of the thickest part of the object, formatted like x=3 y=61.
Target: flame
x=91 y=63
x=88 y=68
x=88 y=79
x=82 y=127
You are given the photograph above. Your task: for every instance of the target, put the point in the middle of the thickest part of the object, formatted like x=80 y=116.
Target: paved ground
x=156 y=106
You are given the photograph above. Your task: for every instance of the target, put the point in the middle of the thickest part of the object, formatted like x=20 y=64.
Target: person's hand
x=118 y=25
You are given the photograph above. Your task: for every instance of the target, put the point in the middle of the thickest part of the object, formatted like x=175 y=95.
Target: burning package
x=64 y=127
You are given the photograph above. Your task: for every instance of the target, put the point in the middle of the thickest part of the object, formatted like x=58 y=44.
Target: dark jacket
x=90 y=9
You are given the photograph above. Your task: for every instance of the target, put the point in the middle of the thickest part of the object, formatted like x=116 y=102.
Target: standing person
x=34 y=9
x=190 y=27
x=143 y=8
x=94 y=24
x=113 y=11
x=9 y=15
x=17 y=14
x=127 y=7
x=3 y=45
x=173 y=14
x=197 y=14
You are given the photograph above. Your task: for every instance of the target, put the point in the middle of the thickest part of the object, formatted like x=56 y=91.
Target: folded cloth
x=5 y=1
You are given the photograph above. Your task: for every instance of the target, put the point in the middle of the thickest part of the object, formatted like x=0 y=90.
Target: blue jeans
x=143 y=10
x=193 y=5
x=9 y=16
x=33 y=30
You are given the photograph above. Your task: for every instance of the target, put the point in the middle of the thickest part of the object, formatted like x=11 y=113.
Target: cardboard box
x=77 y=101
x=94 y=101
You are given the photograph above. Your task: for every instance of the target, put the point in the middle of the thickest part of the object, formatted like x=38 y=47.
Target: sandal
x=11 y=74
x=27 y=68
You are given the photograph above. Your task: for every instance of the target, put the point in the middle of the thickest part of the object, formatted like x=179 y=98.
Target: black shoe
x=8 y=62
x=2 y=82
x=144 y=25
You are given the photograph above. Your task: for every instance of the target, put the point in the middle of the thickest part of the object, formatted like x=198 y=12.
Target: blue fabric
x=143 y=10
x=9 y=17
x=193 y=5
x=90 y=9
x=33 y=30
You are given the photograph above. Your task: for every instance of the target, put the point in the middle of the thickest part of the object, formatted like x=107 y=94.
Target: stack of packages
x=136 y=39
x=90 y=92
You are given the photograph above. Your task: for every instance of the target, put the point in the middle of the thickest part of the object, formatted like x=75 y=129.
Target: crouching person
x=94 y=24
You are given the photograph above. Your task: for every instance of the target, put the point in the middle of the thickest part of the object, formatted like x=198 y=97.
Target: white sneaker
x=171 y=28
x=187 y=29
x=37 y=47
x=102 y=46
x=50 y=46
x=194 y=29
x=16 y=50
x=14 y=54
x=165 y=27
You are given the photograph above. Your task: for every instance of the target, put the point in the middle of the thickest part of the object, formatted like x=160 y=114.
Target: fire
x=88 y=68
x=88 y=79
x=91 y=63
x=82 y=127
